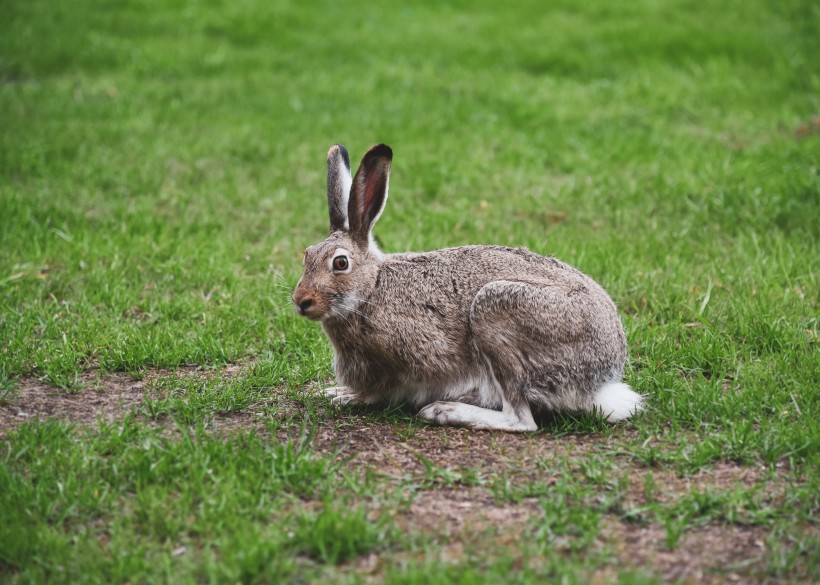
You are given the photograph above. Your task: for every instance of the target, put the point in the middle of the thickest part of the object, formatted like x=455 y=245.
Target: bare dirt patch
x=465 y=510
x=706 y=554
x=107 y=397
x=380 y=446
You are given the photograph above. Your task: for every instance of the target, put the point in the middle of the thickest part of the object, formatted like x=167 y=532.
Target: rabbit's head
x=340 y=271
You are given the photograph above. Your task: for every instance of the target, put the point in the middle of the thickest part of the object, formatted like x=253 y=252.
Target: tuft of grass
x=337 y=533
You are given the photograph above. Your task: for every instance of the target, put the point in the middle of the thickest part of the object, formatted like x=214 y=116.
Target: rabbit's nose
x=304 y=301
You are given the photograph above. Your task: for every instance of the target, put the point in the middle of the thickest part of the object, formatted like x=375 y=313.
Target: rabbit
x=478 y=336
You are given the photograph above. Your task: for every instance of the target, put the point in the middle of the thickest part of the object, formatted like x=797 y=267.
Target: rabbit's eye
x=341 y=263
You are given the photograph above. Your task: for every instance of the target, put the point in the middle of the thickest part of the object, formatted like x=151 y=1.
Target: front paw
x=343 y=395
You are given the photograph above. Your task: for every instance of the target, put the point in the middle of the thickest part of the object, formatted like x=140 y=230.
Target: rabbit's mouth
x=309 y=314
x=310 y=310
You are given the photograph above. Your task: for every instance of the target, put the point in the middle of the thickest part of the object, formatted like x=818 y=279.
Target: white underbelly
x=479 y=388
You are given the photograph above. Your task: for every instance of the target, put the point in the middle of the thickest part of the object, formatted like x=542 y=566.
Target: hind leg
x=511 y=419
x=515 y=414
x=539 y=344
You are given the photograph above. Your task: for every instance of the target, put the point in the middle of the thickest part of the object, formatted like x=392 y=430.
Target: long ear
x=338 y=186
x=369 y=192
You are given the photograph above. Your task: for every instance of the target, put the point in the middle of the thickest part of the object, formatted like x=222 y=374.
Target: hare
x=478 y=336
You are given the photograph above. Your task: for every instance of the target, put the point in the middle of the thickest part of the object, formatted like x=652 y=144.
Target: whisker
x=276 y=278
x=342 y=315
x=362 y=315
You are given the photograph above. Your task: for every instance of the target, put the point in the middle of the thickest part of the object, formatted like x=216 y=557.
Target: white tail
x=617 y=401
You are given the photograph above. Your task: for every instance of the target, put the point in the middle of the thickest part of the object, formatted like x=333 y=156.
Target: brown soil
x=457 y=513
x=707 y=554
x=106 y=397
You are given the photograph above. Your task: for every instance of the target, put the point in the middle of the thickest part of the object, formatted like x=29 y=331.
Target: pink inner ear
x=373 y=187
x=369 y=196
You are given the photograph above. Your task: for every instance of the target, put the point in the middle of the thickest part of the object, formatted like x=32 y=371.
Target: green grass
x=162 y=168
